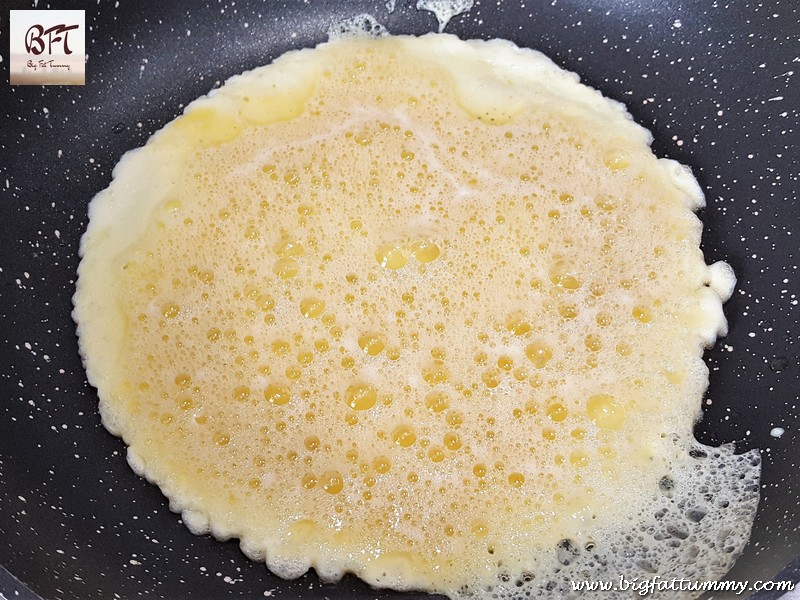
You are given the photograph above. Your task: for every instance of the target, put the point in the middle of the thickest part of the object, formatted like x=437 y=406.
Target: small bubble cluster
x=432 y=325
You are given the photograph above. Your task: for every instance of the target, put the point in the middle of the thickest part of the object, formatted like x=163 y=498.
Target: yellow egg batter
x=425 y=310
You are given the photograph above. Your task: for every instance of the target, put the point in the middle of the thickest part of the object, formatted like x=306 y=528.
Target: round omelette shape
x=425 y=310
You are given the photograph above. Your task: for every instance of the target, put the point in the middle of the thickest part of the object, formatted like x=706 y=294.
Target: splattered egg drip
x=414 y=308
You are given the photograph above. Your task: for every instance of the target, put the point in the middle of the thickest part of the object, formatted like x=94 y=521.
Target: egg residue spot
x=424 y=310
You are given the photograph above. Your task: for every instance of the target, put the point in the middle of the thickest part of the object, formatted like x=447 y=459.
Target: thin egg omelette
x=425 y=310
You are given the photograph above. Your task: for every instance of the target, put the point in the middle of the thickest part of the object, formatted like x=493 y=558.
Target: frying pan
x=716 y=83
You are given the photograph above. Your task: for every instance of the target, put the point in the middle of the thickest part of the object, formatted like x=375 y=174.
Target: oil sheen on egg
x=425 y=310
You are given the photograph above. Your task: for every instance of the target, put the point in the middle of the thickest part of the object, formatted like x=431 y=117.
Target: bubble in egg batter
x=424 y=310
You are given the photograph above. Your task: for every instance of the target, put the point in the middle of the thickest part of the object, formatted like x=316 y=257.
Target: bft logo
x=34 y=38
x=47 y=47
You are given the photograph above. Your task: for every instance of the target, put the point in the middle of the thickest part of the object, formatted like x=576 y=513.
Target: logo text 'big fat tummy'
x=48 y=47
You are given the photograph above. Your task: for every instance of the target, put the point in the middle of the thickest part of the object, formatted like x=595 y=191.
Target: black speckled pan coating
x=718 y=83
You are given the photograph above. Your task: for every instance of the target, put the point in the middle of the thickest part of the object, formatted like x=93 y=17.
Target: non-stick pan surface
x=717 y=82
